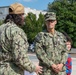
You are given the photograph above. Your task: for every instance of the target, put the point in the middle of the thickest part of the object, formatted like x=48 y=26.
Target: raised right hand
x=38 y=69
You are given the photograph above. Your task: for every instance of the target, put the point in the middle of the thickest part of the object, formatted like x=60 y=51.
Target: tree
x=29 y=27
x=66 y=16
x=33 y=26
x=1 y=22
x=40 y=22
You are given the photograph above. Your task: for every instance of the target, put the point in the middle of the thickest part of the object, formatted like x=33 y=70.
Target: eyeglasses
x=51 y=21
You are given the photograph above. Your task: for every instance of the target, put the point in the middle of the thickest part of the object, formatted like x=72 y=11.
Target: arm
x=19 y=52
x=64 y=54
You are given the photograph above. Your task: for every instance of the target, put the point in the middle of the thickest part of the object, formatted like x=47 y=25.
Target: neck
x=52 y=31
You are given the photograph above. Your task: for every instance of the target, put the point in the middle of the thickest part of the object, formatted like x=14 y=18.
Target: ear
x=55 y=21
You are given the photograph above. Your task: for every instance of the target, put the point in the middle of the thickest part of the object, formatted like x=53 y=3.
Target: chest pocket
x=60 y=43
x=48 y=46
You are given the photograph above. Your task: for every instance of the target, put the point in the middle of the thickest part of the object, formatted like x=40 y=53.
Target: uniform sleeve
x=64 y=51
x=19 y=52
x=64 y=57
x=40 y=52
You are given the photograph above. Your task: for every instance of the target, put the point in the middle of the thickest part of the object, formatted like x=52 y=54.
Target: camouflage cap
x=16 y=8
x=50 y=16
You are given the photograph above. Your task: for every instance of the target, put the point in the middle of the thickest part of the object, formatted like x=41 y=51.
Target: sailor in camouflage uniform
x=50 y=48
x=14 y=45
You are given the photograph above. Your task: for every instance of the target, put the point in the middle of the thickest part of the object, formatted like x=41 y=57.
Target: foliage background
x=66 y=20
x=66 y=17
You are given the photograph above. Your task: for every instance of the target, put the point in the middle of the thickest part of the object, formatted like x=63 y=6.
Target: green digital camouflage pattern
x=51 y=50
x=13 y=51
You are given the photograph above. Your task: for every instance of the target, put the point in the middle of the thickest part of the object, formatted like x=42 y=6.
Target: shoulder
x=61 y=35
x=39 y=36
x=13 y=30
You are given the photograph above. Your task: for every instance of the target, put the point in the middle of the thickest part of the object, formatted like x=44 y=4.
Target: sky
x=34 y=4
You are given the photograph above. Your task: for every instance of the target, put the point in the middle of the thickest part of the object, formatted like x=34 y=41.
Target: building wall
x=4 y=12
x=34 y=11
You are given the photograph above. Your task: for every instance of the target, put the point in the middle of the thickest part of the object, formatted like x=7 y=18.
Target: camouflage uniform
x=13 y=50
x=51 y=50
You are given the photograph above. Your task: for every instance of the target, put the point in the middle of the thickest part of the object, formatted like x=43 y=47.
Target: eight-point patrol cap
x=50 y=16
x=16 y=8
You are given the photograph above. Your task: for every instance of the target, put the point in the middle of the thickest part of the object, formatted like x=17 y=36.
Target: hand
x=38 y=69
x=60 y=66
x=54 y=67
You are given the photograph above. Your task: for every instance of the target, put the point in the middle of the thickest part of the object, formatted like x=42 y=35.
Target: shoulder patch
x=39 y=36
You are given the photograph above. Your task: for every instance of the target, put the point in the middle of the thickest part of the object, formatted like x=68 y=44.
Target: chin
x=50 y=28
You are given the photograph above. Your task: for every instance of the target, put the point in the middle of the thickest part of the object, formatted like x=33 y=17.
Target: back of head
x=50 y=16
x=15 y=12
x=67 y=37
x=16 y=8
